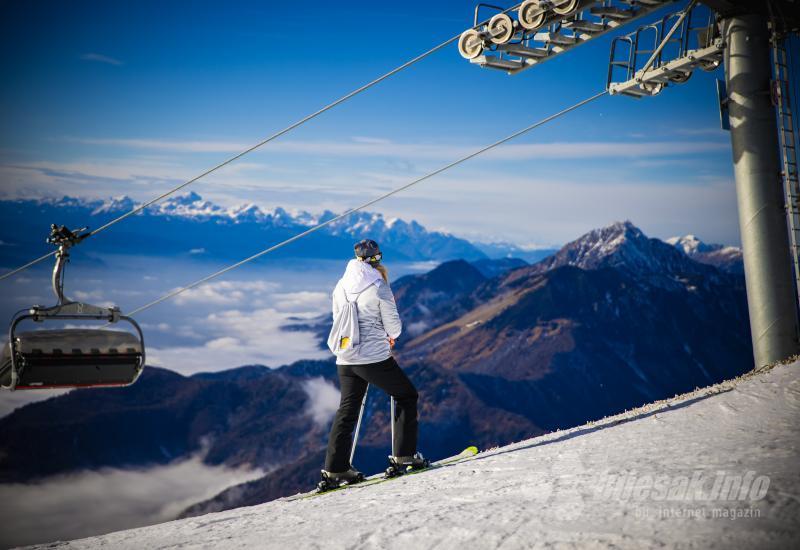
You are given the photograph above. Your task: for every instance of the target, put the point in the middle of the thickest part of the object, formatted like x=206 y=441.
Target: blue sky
x=106 y=98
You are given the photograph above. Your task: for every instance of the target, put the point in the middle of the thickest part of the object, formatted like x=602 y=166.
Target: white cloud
x=128 y=292
x=424 y=266
x=95 y=297
x=224 y=343
x=297 y=302
x=95 y=178
x=277 y=349
x=189 y=146
x=88 y=295
x=377 y=147
x=249 y=328
x=225 y=292
x=709 y=131
x=323 y=400
x=366 y=139
x=604 y=150
x=161 y=327
x=100 y=58
x=239 y=337
x=94 y=502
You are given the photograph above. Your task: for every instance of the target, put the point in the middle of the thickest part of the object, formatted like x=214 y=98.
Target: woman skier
x=368 y=360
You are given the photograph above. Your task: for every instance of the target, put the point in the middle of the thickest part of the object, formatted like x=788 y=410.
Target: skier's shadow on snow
x=610 y=423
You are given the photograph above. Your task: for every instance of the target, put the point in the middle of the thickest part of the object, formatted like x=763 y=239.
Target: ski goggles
x=373 y=259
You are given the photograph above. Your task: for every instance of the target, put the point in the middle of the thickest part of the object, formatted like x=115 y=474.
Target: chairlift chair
x=70 y=357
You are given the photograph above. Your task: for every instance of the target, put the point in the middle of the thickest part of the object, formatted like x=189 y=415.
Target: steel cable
x=367 y=204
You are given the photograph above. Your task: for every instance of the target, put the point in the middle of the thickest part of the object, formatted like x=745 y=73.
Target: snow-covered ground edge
x=716 y=467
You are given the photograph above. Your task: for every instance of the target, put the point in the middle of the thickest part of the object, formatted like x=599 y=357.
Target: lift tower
x=742 y=35
x=771 y=298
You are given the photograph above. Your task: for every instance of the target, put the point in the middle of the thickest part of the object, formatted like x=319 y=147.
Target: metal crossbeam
x=523 y=47
x=690 y=47
x=649 y=83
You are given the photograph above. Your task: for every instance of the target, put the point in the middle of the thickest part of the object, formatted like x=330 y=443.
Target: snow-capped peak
x=620 y=245
x=691 y=245
x=248 y=212
x=189 y=205
x=598 y=244
x=608 y=239
x=280 y=215
x=727 y=258
x=186 y=199
x=115 y=204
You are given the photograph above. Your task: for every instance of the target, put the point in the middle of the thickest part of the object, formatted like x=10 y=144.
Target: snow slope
x=620 y=482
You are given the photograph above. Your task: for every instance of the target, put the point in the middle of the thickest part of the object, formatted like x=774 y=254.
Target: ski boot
x=334 y=480
x=399 y=465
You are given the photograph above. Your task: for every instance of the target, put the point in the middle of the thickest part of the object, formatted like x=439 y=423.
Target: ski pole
x=391 y=421
x=358 y=426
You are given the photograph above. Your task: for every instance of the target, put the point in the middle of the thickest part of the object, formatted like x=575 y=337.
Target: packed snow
x=716 y=468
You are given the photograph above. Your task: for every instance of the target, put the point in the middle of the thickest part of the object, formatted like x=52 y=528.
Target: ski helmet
x=368 y=251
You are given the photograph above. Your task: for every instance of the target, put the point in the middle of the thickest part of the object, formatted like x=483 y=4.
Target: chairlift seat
x=70 y=358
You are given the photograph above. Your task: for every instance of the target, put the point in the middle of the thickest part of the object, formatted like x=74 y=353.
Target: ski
x=381 y=477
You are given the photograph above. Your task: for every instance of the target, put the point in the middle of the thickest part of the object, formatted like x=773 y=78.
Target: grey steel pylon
x=760 y=196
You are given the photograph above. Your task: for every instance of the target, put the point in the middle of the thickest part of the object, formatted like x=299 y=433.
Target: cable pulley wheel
x=564 y=7
x=653 y=88
x=470 y=44
x=501 y=28
x=680 y=78
x=531 y=14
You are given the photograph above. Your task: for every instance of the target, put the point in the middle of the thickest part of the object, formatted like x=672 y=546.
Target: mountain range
x=499 y=352
x=630 y=318
x=189 y=226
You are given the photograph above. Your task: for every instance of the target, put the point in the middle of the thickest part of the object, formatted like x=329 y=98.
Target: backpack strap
x=344 y=293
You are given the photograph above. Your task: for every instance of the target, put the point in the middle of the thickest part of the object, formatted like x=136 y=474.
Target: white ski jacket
x=378 y=319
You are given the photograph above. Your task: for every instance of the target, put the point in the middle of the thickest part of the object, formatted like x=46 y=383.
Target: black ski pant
x=353 y=380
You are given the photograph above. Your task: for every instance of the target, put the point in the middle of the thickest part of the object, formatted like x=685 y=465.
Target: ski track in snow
x=548 y=491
